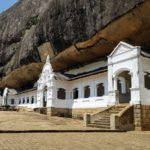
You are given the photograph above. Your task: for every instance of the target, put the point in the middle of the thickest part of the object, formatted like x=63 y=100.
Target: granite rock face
x=28 y=25
x=70 y=21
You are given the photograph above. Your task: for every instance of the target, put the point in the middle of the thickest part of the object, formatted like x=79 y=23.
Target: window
x=12 y=101
x=147 y=81
x=100 y=89
x=27 y=100
x=61 y=94
x=75 y=93
x=86 y=92
x=20 y=101
x=23 y=101
x=32 y=100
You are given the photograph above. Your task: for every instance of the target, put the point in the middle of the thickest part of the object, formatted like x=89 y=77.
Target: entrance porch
x=124 y=75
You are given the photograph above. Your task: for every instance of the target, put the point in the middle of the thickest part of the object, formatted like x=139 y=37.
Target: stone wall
x=74 y=113
x=8 y=108
x=79 y=113
x=41 y=110
x=146 y=117
x=126 y=120
x=137 y=117
x=61 y=112
x=142 y=117
x=64 y=112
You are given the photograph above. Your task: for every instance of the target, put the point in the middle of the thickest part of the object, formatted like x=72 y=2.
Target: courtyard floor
x=63 y=141
x=35 y=121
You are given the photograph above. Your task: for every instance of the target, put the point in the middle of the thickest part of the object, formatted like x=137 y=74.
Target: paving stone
x=64 y=141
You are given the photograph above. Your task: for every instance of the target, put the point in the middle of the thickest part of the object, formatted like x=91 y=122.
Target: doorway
x=124 y=85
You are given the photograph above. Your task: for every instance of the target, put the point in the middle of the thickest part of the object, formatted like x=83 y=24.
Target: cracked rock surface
x=32 y=29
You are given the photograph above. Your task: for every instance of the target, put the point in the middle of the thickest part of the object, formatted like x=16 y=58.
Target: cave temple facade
x=122 y=78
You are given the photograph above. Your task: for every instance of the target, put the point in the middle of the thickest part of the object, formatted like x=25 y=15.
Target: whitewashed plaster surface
x=125 y=57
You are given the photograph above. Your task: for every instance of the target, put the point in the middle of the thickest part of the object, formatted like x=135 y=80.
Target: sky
x=5 y=4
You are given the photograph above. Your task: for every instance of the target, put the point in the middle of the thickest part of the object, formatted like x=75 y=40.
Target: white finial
x=48 y=63
x=47 y=59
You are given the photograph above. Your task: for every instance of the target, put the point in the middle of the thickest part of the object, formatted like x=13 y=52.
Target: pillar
x=116 y=92
x=138 y=116
x=86 y=119
x=80 y=92
x=135 y=90
x=92 y=91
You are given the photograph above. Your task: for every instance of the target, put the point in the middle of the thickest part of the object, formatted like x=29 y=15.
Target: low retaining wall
x=42 y=110
x=61 y=112
x=8 y=108
x=64 y=112
x=79 y=113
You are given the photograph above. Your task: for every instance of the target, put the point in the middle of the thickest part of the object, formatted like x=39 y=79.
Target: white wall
x=125 y=57
x=22 y=96
x=93 y=101
x=48 y=80
x=145 y=93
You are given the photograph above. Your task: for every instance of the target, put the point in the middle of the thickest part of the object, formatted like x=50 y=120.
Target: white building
x=123 y=78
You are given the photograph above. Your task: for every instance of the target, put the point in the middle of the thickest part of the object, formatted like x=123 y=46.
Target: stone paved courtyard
x=35 y=121
x=63 y=141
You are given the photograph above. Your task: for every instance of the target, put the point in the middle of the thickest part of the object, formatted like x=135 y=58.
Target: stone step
x=103 y=120
x=108 y=116
x=114 y=112
x=99 y=126
x=119 y=109
x=119 y=106
x=103 y=123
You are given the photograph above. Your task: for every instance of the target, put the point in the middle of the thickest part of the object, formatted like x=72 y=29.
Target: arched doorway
x=124 y=85
x=45 y=97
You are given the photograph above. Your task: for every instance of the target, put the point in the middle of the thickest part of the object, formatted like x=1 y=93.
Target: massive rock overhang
x=134 y=28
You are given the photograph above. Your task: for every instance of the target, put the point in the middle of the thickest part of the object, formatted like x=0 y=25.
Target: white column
x=115 y=84
x=40 y=98
x=81 y=92
x=105 y=88
x=110 y=79
x=51 y=96
x=135 y=90
x=112 y=84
